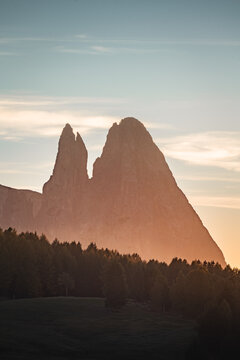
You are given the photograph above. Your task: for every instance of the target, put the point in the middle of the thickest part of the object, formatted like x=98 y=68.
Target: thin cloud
x=10 y=40
x=125 y=50
x=29 y=116
x=82 y=44
x=7 y=53
x=203 y=42
x=84 y=38
x=35 y=166
x=81 y=36
x=103 y=50
x=16 y=168
x=155 y=125
x=212 y=201
x=64 y=50
x=33 y=101
x=26 y=116
x=208 y=178
x=219 y=148
x=48 y=123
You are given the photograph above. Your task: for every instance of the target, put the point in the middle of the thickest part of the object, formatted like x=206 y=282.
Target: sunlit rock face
x=138 y=205
x=19 y=208
x=132 y=203
x=63 y=193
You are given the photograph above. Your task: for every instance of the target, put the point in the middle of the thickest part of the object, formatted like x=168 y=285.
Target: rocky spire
x=132 y=203
x=146 y=212
x=70 y=170
x=64 y=192
x=130 y=157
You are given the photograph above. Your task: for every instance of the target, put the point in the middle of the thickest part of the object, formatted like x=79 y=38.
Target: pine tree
x=114 y=284
x=159 y=296
x=178 y=293
x=66 y=281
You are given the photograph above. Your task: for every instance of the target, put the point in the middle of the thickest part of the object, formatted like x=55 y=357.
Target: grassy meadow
x=83 y=328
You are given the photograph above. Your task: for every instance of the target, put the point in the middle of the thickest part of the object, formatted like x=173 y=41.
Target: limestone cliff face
x=19 y=208
x=140 y=207
x=132 y=203
x=63 y=193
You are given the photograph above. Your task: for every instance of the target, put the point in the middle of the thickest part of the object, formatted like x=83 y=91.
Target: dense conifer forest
x=32 y=267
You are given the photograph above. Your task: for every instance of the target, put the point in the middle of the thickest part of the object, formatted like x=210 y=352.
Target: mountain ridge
x=132 y=202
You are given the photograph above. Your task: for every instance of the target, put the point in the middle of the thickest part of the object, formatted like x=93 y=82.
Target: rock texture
x=19 y=208
x=62 y=200
x=132 y=203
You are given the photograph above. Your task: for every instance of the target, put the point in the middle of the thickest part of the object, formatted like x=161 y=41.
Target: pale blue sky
x=175 y=65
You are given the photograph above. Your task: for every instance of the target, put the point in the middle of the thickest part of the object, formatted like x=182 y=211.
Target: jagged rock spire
x=70 y=170
x=146 y=212
x=63 y=193
x=132 y=203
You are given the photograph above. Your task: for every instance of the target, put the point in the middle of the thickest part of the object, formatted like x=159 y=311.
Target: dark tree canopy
x=114 y=284
x=32 y=267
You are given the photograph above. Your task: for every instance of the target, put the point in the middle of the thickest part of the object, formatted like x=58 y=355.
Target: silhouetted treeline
x=31 y=267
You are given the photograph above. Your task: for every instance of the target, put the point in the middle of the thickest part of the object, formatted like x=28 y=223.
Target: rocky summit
x=132 y=202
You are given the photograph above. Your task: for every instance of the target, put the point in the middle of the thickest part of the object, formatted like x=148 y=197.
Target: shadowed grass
x=82 y=328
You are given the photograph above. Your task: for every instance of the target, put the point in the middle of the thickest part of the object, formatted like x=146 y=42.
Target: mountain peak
x=131 y=122
x=71 y=162
x=67 y=127
x=132 y=203
x=67 y=133
x=132 y=178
